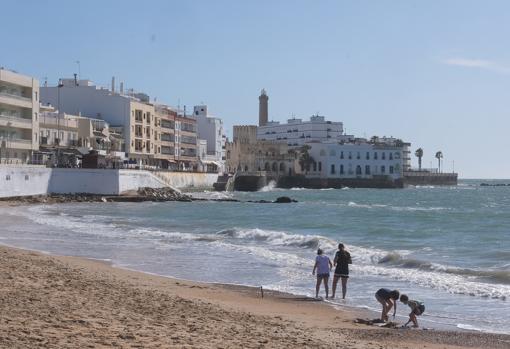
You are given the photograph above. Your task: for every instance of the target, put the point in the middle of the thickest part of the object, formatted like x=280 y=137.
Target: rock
x=284 y=200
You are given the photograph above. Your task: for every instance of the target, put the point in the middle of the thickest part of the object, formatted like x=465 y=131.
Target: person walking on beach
x=341 y=263
x=417 y=308
x=323 y=266
x=388 y=299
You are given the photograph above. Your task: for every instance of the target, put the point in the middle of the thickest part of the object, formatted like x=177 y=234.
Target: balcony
x=16 y=143
x=15 y=122
x=14 y=99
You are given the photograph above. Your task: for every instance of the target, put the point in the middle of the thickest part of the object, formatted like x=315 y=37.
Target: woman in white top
x=323 y=266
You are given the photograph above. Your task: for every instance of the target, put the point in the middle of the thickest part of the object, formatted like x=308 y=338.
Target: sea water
x=446 y=246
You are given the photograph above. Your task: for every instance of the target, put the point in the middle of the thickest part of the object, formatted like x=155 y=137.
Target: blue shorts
x=324 y=275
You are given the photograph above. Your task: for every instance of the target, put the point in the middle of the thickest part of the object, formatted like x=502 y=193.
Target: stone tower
x=263 y=108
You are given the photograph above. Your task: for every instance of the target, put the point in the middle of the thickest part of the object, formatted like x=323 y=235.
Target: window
x=391 y=156
x=314 y=166
x=35 y=115
x=383 y=156
x=383 y=169
x=36 y=95
x=332 y=169
x=341 y=169
x=341 y=155
x=358 y=156
x=358 y=170
x=27 y=177
x=8 y=177
x=375 y=155
x=320 y=166
x=367 y=169
x=391 y=169
x=350 y=155
x=368 y=155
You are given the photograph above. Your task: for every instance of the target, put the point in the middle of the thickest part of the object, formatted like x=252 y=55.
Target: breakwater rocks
x=494 y=184
x=142 y=194
x=163 y=194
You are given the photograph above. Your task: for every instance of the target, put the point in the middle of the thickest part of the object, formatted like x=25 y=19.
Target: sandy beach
x=67 y=302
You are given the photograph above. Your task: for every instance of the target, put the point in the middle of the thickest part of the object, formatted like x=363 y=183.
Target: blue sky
x=434 y=73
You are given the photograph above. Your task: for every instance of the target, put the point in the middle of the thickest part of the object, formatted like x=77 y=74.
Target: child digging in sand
x=417 y=308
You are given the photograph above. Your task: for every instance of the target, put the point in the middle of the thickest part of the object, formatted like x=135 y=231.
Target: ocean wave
x=281 y=238
x=397 y=260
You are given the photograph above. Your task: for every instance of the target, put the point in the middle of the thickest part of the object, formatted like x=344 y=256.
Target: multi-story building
x=210 y=129
x=133 y=113
x=19 y=113
x=186 y=141
x=165 y=136
x=57 y=129
x=297 y=132
x=360 y=159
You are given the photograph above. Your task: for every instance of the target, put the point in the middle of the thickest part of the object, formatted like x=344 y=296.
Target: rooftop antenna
x=178 y=103
x=45 y=81
x=79 y=69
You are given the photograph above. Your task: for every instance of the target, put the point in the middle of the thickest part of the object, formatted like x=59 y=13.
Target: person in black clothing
x=341 y=262
x=388 y=299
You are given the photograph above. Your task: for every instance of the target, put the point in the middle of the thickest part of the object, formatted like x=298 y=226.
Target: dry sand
x=66 y=302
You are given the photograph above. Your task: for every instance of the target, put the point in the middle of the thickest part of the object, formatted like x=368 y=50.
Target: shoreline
x=62 y=298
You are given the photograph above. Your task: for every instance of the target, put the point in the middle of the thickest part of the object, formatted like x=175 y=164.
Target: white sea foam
x=271 y=186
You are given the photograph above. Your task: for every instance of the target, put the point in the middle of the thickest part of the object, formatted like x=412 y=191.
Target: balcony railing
x=12 y=95
x=16 y=118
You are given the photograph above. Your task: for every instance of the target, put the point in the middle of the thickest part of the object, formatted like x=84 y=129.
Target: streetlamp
x=60 y=84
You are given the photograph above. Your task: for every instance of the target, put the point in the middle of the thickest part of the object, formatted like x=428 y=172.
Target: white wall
x=32 y=180
x=188 y=180
x=24 y=180
x=93 y=181
x=134 y=179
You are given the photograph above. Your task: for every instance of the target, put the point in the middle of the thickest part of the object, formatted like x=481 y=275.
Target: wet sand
x=67 y=302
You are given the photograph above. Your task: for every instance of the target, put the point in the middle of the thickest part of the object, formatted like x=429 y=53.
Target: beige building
x=247 y=154
x=165 y=136
x=19 y=112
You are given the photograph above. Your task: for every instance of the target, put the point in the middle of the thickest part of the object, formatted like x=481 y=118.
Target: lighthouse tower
x=263 y=108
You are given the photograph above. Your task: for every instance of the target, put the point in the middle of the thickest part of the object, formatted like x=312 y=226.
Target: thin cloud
x=477 y=64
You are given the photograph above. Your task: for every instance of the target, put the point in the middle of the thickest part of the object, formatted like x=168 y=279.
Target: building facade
x=297 y=132
x=154 y=135
x=248 y=154
x=210 y=129
x=359 y=159
x=19 y=117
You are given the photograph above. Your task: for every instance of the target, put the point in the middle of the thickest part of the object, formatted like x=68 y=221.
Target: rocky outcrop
x=162 y=194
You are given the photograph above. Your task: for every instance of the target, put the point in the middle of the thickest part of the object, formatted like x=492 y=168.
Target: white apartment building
x=19 y=112
x=210 y=129
x=358 y=159
x=134 y=114
x=297 y=132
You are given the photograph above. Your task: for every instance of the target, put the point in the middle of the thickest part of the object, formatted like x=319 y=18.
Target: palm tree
x=419 y=155
x=305 y=159
x=439 y=156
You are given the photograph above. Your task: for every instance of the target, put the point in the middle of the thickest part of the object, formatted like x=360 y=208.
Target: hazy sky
x=434 y=73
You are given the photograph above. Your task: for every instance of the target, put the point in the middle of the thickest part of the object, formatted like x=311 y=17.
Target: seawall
x=425 y=178
x=38 y=180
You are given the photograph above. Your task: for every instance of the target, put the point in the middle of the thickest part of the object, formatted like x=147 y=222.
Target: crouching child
x=417 y=308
